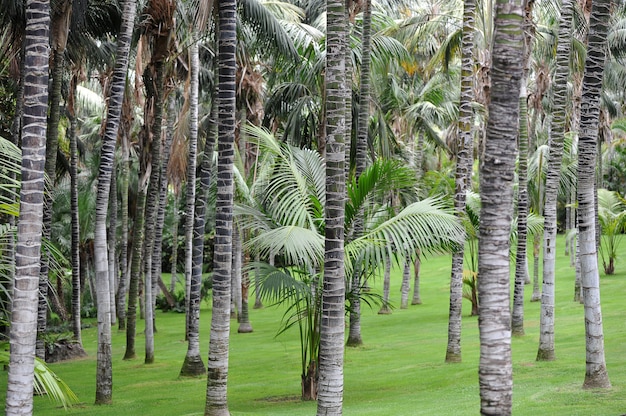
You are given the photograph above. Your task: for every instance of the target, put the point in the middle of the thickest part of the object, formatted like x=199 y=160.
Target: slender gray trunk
x=19 y=398
x=405 y=287
x=385 y=309
x=464 y=159
x=217 y=380
x=546 y=330
x=596 y=375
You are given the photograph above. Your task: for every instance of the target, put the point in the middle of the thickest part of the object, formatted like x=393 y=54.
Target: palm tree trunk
x=258 y=304
x=193 y=364
x=174 y=231
x=112 y=243
x=496 y=189
x=191 y=192
x=192 y=280
x=76 y=308
x=135 y=275
x=578 y=295
x=521 y=260
x=216 y=404
x=419 y=171
x=156 y=80
x=536 y=296
x=235 y=279
x=104 y=378
x=417 y=262
x=385 y=309
x=521 y=265
x=19 y=398
x=332 y=325
x=462 y=177
x=405 y=287
x=122 y=288
x=596 y=375
x=546 y=331
x=51 y=158
x=360 y=156
x=160 y=218
x=244 y=319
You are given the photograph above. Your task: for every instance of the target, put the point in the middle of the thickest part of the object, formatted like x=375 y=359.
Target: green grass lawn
x=399 y=370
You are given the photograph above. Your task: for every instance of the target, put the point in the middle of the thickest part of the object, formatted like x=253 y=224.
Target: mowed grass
x=399 y=370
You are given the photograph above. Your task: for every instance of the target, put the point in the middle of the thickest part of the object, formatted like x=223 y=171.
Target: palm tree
x=521 y=260
x=60 y=21
x=596 y=375
x=124 y=170
x=19 y=399
x=332 y=322
x=612 y=215
x=194 y=228
x=354 y=334
x=546 y=331
x=463 y=173
x=104 y=382
x=216 y=404
x=495 y=372
x=285 y=212
x=76 y=289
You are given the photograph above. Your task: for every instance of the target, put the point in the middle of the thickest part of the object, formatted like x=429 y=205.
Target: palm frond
x=47 y=382
x=427 y=225
x=297 y=245
x=267 y=28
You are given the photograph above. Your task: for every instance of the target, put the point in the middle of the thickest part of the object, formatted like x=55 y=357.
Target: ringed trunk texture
x=462 y=177
x=216 y=403
x=332 y=325
x=52 y=144
x=76 y=289
x=596 y=375
x=19 y=399
x=196 y=219
x=156 y=78
x=104 y=373
x=496 y=189
x=546 y=329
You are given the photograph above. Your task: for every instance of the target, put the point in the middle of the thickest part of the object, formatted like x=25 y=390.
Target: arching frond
x=268 y=30
x=376 y=183
x=426 y=225
x=296 y=245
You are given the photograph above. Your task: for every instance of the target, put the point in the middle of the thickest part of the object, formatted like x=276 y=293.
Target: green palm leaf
x=425 y=225
x=297 y=245
x=47 y=382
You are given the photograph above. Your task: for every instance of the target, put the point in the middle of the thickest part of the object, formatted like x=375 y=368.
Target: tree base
x=309 y=383
x=536 y=297
x=354 y=341
x=416 y=302
x=192 y=367
x=258 y=304
x=216 y=411
x=453 y=357
x=598 y=380
x=244 y=328
x=385 y=310
x=518 y=331
x=545 y=355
